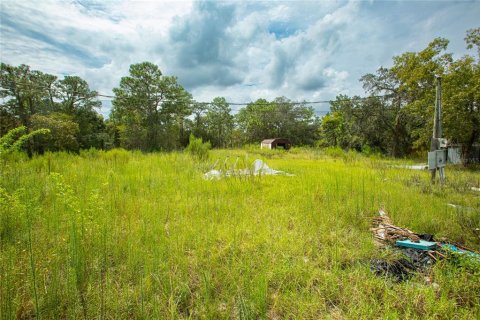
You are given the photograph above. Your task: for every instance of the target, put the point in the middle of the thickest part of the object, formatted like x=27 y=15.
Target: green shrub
x=197 y=148
x=12 y=215
x=16 y=138
x=91 y=153
x=334 y=152
x=117 y=156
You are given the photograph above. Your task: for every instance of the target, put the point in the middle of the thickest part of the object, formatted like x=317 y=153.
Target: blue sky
x=242 y=50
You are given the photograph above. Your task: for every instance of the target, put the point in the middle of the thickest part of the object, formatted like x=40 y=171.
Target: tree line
x=152 y=111
x=35 y=100
x=396 y=117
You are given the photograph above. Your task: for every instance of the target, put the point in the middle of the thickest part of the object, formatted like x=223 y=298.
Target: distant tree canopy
x=278 y=118
x=397 y=119
x=152 y=111
x=213 y=122
x=35 y=100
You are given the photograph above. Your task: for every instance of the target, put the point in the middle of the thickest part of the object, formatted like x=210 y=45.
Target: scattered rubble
x=459 y=207
x=456 y=249
x=419 y=251
x=258 y=168
x=386 y=233
x=412 y=167
x=400 y=270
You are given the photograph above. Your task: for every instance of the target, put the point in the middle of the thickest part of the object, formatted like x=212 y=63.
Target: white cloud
x=241 y=50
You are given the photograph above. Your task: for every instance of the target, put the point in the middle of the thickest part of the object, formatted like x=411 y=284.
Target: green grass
x=117 y=235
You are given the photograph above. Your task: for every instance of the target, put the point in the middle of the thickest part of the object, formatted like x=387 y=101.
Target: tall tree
x=356 y=123
x=473 y=39
x=77 y=100
x=75 y=94
x=278 y=118
x=198 y=124
x=331 y=129
x=254 y=121
x=341 y=123
x=408 y=90
x=461 y=95
x=219 y=123
x=150 y=108
x=25 y=92
x=395 y=119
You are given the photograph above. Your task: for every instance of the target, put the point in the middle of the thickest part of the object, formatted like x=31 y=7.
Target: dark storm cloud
x=302 y=50
x=200 y=47
x=313 y=83
x=222 y=76
x=278 y=68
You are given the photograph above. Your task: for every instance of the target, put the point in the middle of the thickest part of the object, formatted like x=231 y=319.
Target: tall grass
x=128 y=235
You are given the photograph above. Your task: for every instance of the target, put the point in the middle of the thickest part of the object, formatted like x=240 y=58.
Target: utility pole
x=437 y=154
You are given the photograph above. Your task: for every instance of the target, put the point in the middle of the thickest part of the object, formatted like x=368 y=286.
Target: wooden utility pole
x=437 y=127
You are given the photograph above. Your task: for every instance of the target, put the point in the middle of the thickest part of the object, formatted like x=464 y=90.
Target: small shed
x=275 y=143
x=457 y=153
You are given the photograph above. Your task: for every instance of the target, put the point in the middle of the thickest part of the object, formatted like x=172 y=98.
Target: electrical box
x=441 y=158
x=432 y=160
x=437 y=159
x=442 y=142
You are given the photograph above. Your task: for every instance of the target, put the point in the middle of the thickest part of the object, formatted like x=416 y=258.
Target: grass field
x=122 y=235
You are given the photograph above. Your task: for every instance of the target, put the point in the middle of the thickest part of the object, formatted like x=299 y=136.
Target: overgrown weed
x=122 y=234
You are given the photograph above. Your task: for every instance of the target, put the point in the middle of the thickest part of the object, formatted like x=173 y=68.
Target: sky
x=240 y=50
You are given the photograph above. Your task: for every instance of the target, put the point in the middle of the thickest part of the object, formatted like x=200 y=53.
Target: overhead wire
x=205 y=103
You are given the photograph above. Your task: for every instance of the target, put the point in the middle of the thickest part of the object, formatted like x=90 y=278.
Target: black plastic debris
x=402 y=269
x=399 y=270
x=426 y=237
x=417 y=255
x=420 y=259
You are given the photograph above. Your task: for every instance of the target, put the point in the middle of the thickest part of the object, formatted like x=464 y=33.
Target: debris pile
x=258 y=168
x=419 y=251
x=400 y=269
x=386 y=233
x=412 y=167
x=420 y=259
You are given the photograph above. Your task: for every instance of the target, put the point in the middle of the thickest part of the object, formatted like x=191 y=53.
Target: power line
x=266 y=102
x=260 y=102
x=193 y=102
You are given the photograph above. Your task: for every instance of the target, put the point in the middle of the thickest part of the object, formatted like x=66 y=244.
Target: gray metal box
x=432 y=160
x=437 y=159
x=442 y=142
x=441 y=158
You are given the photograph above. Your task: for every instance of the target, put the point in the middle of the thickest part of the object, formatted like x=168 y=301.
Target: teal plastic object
x=453 y=248
x=421 y=244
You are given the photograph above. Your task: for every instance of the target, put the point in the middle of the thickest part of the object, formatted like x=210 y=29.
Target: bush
x=12 y=215
x=334 y=152
x=117 y=156
x=91 y=153
x=16 y=138
x=64 y=132
x=197 y=148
